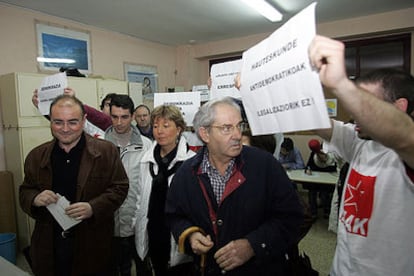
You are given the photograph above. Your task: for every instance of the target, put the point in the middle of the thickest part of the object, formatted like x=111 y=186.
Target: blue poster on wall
x=63 y=47
x=68 y=48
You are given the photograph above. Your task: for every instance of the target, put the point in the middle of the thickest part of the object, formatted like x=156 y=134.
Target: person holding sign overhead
x=377 y=207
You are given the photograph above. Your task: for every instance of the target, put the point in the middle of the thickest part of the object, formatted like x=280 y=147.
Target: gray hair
x=206 y=114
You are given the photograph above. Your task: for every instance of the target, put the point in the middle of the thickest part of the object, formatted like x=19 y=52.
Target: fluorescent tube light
x=55 y=60
x=265 y=9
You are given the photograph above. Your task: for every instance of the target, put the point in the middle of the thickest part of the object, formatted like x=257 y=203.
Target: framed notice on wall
x=145 y=74
x=332 y=106
x=63 y=47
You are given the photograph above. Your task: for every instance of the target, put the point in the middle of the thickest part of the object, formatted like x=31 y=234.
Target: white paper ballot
x=222 y=79
x=279 y=89
x=51 y=87
x=58 y=212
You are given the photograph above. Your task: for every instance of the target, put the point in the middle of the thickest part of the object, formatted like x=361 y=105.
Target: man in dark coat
x=230 y=205
x=89 y=174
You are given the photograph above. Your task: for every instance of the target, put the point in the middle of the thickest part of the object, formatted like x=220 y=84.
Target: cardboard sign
x=187 y=102
x=222 y=79
x=280 y=90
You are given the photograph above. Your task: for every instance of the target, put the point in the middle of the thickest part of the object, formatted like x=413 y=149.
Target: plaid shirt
x=218 y=182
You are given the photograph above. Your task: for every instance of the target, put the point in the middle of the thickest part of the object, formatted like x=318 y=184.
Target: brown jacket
x=102 y=182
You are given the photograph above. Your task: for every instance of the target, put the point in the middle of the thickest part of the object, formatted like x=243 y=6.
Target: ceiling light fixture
x=55 y=60
x=265 y=9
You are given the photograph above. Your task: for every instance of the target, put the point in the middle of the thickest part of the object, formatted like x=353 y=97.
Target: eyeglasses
x=229 y=129
x=70 y=123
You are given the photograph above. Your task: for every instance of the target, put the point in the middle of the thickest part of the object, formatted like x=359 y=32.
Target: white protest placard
x=204 y=91
x=187 y=102
x=280 y=91
x=51 y=87
x=222 y=79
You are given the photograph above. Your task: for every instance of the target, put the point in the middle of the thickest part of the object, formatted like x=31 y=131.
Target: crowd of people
x=141 y=193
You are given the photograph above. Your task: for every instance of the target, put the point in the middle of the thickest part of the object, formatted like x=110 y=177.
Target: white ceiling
x=178 y=22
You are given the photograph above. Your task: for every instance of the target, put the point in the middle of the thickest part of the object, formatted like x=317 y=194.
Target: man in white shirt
x=377 y=207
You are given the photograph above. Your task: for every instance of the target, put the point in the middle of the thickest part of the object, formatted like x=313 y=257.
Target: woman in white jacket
x=158 y=165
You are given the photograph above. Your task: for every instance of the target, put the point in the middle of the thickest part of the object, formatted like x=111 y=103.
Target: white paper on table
x=222 y=79
x=51 y=87
x=279 y=89
x=58 y=212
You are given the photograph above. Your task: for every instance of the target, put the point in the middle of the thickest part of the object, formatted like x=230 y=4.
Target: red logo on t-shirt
x=358 y=201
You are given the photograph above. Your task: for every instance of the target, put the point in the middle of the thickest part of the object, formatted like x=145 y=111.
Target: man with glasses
x=89 y=174
x=232 y=207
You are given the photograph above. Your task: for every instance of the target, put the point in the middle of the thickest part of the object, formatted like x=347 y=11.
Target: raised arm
x=96 y=117
x=385 y=122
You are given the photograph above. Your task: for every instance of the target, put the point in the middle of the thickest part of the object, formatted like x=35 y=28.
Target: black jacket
x=259 y=204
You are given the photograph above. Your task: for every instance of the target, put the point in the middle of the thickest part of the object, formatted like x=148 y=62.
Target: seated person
x=290 y=156
x=321 y=161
